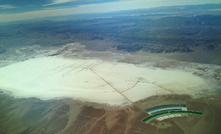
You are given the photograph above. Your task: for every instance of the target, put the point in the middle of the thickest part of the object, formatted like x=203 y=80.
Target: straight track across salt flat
x=113 y=83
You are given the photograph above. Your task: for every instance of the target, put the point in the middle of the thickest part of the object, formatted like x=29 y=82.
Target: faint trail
x=93 y=125
x=62 y=69
x=100 y=119
x=118 y=91
x=157 y=130
x=133 y=85
x=163 y=88
x=111 y=86
x=92 y=65
x=59 y=67
x=72 y=69
x=113 y=66
x=83 y=69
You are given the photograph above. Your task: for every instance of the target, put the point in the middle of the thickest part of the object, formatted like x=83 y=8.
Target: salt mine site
x=95 y=80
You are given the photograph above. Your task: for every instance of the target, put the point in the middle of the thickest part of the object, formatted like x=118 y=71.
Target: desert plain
x=70 y=89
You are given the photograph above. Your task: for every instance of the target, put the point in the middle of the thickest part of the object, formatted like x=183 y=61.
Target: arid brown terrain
x=23 y=116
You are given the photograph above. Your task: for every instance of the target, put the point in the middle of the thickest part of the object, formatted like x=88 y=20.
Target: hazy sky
x=13 y=10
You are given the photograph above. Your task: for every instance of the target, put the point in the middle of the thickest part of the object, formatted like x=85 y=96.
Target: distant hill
x=177 y=29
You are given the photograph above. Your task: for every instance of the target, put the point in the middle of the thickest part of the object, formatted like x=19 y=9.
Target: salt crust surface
x=97 y=81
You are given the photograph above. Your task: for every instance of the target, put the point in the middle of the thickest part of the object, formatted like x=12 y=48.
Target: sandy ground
x=113 y=83
x=19 y=115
